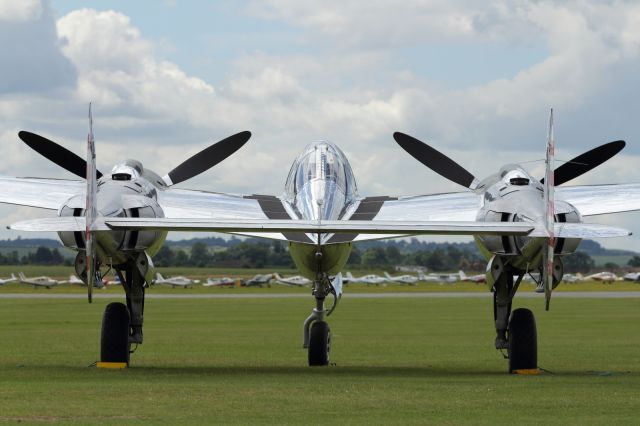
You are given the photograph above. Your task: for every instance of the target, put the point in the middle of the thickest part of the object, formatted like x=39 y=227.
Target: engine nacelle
x=518 y=245
x=110 y=242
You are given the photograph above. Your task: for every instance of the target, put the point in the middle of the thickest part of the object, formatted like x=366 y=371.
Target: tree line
x=275 y=254
x=42 y=256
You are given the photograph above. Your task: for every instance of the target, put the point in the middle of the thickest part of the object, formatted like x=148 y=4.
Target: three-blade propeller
x=451 y=170
x=202 y=161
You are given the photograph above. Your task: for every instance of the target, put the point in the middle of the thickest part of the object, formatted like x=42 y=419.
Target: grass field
x=397 y=361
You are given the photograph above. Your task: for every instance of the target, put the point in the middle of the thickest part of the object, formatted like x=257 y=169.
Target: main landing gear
x=515 y=331
x=122 y=324
x=317 y=333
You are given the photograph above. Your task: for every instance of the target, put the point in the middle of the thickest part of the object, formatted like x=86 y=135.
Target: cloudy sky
x=474 y=79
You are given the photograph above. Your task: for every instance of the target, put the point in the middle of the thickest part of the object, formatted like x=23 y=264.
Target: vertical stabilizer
x=549 y=218
x=91 y=210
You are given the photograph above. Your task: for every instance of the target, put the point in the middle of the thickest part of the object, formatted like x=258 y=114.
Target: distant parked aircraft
x=571 y=278
x=77 y=281
x=174 y=282
x=11 y=279
x=220 y=282
x=479 y=278
x=402 y=279
x=259 y=280
x=439 y=278
x=296 y=280
x=606 y=277
x=632 y=276
x=36 y=282
x=365 y=279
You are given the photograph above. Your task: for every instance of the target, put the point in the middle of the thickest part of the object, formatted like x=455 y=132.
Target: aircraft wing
x=190 y=204
x=591 y=200
x=77 y=223
x=50 y=194
x=447 y=207
x=380 y=228
x=454 y=206
x=38 y=192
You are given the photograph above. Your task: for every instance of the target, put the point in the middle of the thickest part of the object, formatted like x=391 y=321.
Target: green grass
x=398 y=361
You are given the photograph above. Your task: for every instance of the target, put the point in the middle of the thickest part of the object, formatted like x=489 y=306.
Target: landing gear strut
x=515 y=332
x=317 y=333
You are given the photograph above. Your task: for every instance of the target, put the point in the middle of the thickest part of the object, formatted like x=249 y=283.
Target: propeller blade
x=56 y=153
x=207 y=158
x=585 y=162
x=436 y=161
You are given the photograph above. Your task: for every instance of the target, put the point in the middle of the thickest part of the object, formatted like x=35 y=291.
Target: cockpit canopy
x=321 y=161
x=130 y=169
x=514 y=175
x=321 y=183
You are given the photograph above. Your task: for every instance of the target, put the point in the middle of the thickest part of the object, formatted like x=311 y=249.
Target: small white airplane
x=632 y=276
x=572 y=278
x=258 y=280
x=479 y=278
x=365 y=279
x=11 y=279
x=296 y=280
x=605 y=276
x=220 y=282
x=439 y=278
x=402 y=279
x=174 y=282
x=36 y=282
x=73 y=279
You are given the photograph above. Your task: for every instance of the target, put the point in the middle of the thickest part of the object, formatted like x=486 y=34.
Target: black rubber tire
x=523 y=341
x=114 y=339
x=319 y=344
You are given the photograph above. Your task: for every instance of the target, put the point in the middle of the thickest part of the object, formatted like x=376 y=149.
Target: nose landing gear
x=317 y=333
